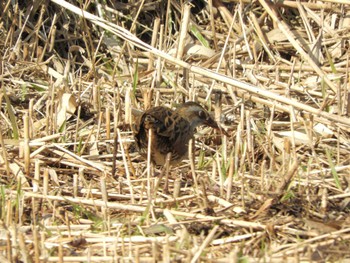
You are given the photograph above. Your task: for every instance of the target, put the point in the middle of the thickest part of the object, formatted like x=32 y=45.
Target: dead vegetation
x=73 y=187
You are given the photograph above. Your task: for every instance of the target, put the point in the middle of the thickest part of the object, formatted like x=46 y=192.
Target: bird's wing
x=154 y=119
x=172 y=125
x=164 y=121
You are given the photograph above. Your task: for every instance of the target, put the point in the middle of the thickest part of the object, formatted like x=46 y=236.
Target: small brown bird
x=171 y=130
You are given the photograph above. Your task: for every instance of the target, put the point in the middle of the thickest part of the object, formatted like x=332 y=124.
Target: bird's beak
x=212 y=123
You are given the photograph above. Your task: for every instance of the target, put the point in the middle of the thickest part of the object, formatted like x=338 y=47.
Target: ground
x=74 y=187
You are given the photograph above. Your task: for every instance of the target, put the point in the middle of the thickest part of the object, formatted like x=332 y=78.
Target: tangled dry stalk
x=74 y=188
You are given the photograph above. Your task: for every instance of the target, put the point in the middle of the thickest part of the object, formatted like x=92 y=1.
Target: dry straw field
x=73 y=187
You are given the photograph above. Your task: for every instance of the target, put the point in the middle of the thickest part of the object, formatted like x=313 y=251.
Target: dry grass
x=74 y=189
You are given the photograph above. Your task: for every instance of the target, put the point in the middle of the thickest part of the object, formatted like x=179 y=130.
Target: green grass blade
x=333 y=171
x=11 y=115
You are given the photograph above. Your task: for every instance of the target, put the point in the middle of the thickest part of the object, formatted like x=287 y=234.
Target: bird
x=171 y=131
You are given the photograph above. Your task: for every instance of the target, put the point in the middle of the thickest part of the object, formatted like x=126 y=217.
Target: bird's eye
x=150 y=118
x=201 y=114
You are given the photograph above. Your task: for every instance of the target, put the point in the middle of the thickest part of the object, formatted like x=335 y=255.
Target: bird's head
x=196 y=115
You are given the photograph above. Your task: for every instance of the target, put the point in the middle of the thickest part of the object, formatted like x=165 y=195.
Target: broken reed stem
x=159 y=65
x=205 y=243
x=87 y=141
x=155 y=32
x=250 y=143
x=230 y=178
x=177 y=188
x=77 y=129
x=149 y=149
x=261 y=35
x=193 y=168
x=75 y=183
x=3 y=150
x=292 y=120
x=36 y=179
x=103 y=189
x=96 y=98
x=281 y=189
x=221 y=177
x=238 y=152
x=183 y=31
x=46 y=181
x=89 y=202
x=128 y=106
x=221 y=59
x=212 y=24
x=23 y=248
x=31 y=118
x=9 y=243
x=245 y=35
x=99 y=122
x=167 y=168
x=36 y=240
x=26 y=149
x=203 y=194
x=108 y=123
x=126 y=167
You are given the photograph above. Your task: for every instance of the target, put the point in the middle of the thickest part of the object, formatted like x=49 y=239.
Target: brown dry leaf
x=16 y=170
x=322 y=227
x=323 y=130
x=54 y=177
x=266 y=205
x=199 y=51
x=299 y=137
x=276 y=35
x=94 y=147
x=38 y=125
x=67 y=106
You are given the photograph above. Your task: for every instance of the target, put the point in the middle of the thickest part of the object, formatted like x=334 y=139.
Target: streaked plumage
x=171 y=130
